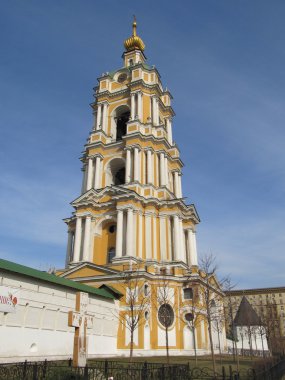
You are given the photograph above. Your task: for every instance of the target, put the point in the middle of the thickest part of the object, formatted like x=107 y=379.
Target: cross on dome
x=134 y=42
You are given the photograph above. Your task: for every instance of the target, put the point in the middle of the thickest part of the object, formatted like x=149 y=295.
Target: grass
x=202 y=361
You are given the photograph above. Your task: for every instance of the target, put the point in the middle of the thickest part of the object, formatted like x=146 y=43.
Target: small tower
x=131 y=217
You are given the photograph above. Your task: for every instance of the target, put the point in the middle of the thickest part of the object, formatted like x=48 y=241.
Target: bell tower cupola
x=134 y=45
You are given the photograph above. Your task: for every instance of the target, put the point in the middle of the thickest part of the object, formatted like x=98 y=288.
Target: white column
x=77 y=240
x=148 y=241
x=129 y=232
x=119 y=235
x=176 y=184
x=140 y=166
x=162 y=237
x=104 y=121
x=128 y=166
x=161 y=169
x=154 y=237
x=156 y=112
x=89 y=174
x=69 y=247
x=143 y=167
x=192 y=248
x=140 y=106
x=179 y=185
x=97 y=173
x=83 y=187
x=169 y=131
x=166 y=170
x=176 y=237
x=95 y=121
x=149 y=167
x=140 y=234
x=86 y=241
x=99 y=116
x=182 y=242
x=136 y=164
x=133 y=106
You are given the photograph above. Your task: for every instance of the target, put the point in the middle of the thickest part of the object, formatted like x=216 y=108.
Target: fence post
x=25 y=370
x=223 y=373
x=106 y=367
x=85 y=372
x=162 y=372
x=231 y=372
x=35 y=372
x=45 y=369
x=69 y=362
x=144 y=371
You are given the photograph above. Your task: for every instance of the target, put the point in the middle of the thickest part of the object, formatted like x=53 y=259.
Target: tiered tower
x=131 y=229
x=131 y=204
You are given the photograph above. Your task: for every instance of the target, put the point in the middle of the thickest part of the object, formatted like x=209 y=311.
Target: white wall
x=39 y=328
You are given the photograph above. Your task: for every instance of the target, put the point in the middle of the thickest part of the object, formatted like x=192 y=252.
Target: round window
x=112 y=228
x=122 y=78
x=166 y=315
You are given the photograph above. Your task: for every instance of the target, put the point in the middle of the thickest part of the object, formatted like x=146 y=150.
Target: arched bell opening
x=121 y=117
x=117 y=171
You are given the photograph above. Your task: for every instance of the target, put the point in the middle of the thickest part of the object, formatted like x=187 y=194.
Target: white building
x=34 y=309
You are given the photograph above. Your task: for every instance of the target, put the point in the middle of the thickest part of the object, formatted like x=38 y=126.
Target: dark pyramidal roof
x=246 y=315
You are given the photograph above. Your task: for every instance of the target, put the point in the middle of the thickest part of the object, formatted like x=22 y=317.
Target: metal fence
x=101 y=370
x=115 y=370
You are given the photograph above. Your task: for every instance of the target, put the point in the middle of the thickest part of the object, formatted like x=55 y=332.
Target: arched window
x=116 y=172
x=119 y=177
x=146 y=290
x=122 y=120
x=111 y=254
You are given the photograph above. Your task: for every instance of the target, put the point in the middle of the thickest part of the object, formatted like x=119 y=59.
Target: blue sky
x=223 y=62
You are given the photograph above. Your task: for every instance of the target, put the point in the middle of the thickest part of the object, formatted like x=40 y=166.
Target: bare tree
x=162 y=303
x=230 y=311
x=134 y=304
x=218 y=325
x=211 y=294
x=193 y=316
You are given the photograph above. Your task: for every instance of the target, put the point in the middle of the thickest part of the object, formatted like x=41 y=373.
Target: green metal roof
x=51 y=278
x=112 y=290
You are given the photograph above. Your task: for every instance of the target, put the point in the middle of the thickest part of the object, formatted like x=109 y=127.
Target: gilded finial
x=135 y=26
x=134 y=42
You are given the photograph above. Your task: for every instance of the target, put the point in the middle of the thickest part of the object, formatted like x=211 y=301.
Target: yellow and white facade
x=131 y=215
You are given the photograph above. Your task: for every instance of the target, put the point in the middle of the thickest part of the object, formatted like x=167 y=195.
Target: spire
x=134 y=42
x=134 y=26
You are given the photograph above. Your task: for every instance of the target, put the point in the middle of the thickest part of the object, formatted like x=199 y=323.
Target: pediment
x=87 y=270
x=214 y=282
x=104 y=195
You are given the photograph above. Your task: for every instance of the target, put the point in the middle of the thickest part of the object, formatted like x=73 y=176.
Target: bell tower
x=131 y=205
x=131 y=231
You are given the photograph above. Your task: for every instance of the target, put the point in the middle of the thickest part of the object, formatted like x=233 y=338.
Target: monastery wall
x=38 y=328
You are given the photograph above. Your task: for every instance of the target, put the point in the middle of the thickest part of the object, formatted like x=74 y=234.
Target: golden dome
x=134 y=42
